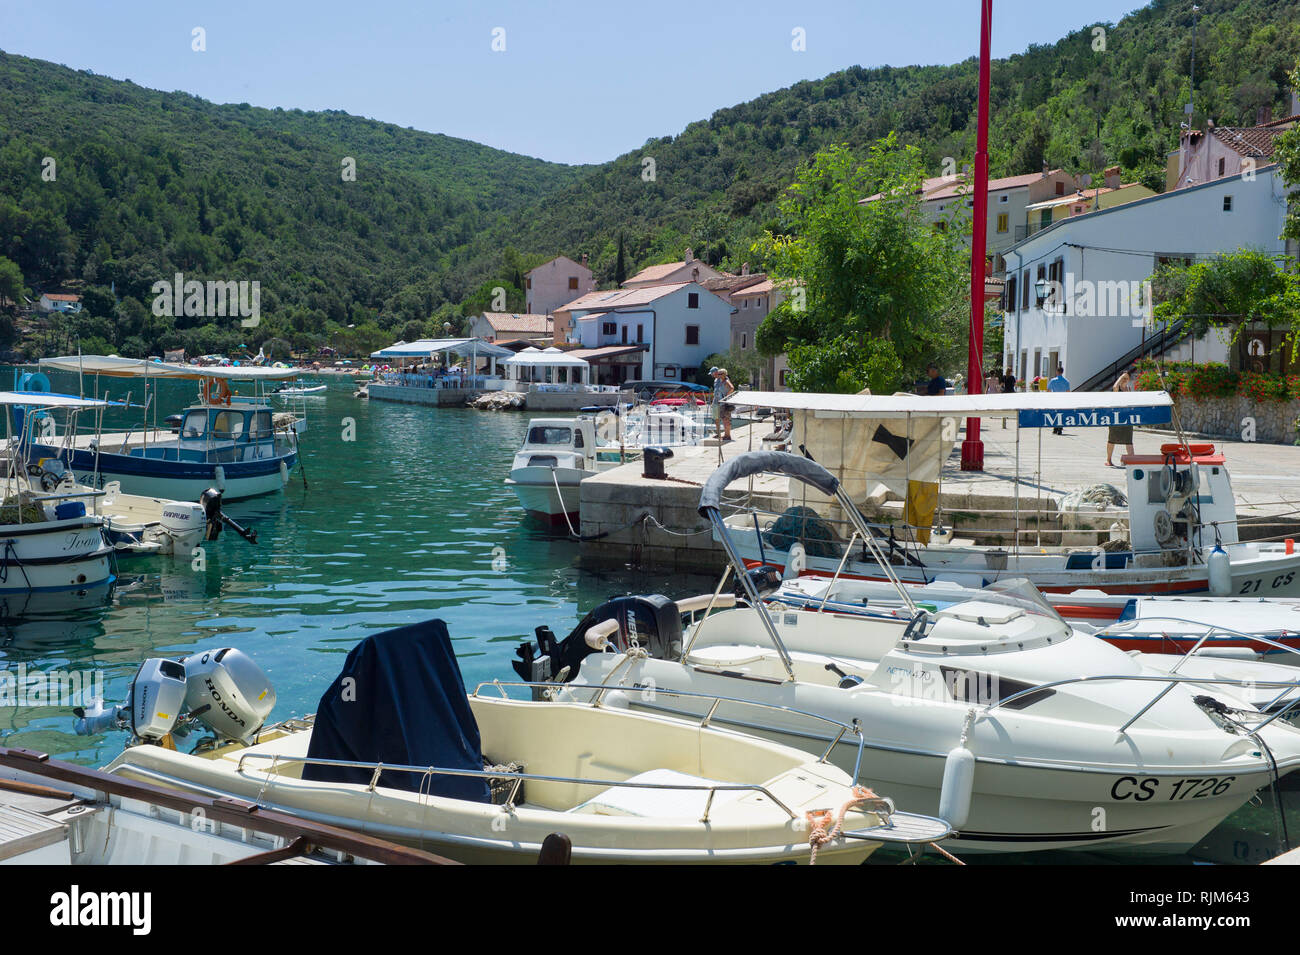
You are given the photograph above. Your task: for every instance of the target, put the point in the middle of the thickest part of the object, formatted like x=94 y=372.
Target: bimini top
x=114 y=366
x=45 y=399
x=426 y=347
x=1034 y=409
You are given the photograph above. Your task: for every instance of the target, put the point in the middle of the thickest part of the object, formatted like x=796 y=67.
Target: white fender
x=284 y=472
x=219 y=475
x=1220 y=567
x=958 y=782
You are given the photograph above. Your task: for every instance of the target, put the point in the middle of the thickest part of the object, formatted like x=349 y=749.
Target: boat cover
x=400 y=699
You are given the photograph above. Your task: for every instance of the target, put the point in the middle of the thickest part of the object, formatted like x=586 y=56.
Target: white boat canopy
x=428 y=347
x=114 y=366
x=1030 y=409
x=44 y=399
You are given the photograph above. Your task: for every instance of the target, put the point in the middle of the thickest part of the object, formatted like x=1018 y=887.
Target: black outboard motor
x=210 y=500
x=652 y=621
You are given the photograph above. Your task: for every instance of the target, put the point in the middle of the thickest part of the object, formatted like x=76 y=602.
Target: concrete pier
x=654 y=523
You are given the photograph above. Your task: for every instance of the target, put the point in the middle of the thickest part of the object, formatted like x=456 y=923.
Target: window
x=608 y=328
x=228 y=424
x=692 y=334
x=196 y=424
x=782 y=376
x=941 y=226
x=624 y=329
x=1227 y=203
x=1060 y=188
x=528 y=283
x=692 y=299
x=744 y=303
x=1173 y=260
x=1009 y=305
x=744 y=341
x=639 y=334
x=1003 y=199
x=1024 y=288
x=542 y=435
x=261 y=426
x=1003 y=219
x=573 y=283
x=1221 y=163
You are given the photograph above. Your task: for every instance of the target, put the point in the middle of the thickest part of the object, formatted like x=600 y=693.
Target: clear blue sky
x=578 y=82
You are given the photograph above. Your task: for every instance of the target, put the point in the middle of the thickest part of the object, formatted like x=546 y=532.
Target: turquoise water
x=408 y=520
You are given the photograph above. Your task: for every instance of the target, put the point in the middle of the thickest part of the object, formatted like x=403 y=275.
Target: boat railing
x=1211 y=631
x=600 y=691
x=517 y=779
x=1171 y=680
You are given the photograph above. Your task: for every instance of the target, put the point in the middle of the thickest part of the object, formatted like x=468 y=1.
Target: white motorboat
x=487 y=778
x=300 y=391
x=1233 y=627
x=54 y=553
x=992 y=713
x=558 y=454
x=1181 y=517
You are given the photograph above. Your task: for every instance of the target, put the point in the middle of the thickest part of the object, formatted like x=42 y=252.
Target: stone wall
x=1274 y=421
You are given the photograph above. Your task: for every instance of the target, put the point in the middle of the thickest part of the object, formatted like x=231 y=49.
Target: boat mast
x=972 y=449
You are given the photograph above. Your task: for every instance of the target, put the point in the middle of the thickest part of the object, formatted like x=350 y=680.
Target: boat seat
x=656 y=803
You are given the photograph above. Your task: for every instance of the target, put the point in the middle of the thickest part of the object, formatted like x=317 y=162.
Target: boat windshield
x=1019 y=592
x=544 y=435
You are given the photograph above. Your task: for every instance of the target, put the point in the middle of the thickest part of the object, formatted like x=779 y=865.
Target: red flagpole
x=972 y=449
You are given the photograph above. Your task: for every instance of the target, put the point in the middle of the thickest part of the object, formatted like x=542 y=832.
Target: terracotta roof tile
x=518 y=322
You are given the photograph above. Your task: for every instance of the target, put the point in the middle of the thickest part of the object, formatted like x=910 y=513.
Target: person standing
x=1059 y=383
x=935 y=384
x=722 y=389
x=1009 y=382
x=993 y=382
x=1120 y=433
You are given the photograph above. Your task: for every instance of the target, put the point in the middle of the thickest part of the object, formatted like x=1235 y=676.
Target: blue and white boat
x=235 y=443
x=54 y=555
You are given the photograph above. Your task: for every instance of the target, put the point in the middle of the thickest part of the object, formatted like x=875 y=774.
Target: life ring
x=222 y=396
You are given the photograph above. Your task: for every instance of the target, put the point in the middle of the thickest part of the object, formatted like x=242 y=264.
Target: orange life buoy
x=222 y=396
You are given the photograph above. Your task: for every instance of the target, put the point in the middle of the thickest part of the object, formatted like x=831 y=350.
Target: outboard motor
x=651 y=622
x=220 y=689
x=210 y=500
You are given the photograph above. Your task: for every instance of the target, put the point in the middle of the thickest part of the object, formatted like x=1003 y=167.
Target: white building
x=658 y=331
x=1101 y=260
x=556 y=282
x=60 y=302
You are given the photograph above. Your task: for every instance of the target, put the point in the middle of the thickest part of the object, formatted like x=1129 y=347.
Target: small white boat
x=499 y=774
x=556 y=456
x=300 y=391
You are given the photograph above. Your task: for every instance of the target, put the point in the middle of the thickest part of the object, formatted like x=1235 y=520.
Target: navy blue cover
x=400 y=698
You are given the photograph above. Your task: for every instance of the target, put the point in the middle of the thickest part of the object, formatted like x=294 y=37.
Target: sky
x=561 y=80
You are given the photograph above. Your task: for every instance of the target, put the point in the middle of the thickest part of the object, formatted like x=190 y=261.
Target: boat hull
x=174 y=480
x=55 y=559
x=549 y=493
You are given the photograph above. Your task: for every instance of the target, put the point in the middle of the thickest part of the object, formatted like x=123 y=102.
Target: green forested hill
x=151 y=183
x=147 y=183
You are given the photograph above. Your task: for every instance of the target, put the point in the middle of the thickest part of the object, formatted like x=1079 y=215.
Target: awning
x=1046 y=409
x=550 y=358
x=44 y=399
x=114 y=366
x=427 y=347
x=608 y=352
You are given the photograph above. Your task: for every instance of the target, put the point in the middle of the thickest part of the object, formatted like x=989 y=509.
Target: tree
x=11 y=282
x=620 y=266
x=1229 y=292
x=872 y=291
x=1288 y=155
